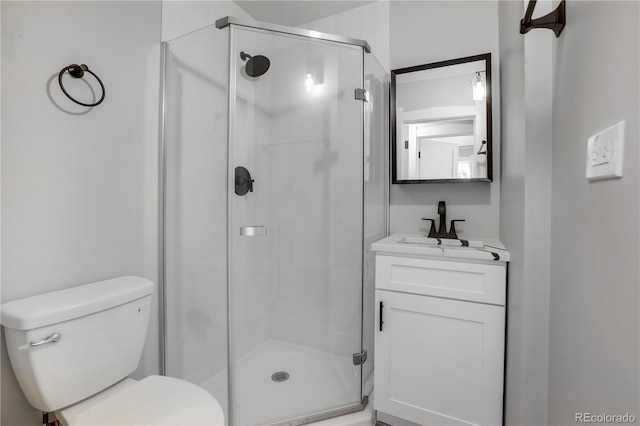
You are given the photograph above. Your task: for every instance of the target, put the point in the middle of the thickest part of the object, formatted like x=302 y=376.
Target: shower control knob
x=243 y=181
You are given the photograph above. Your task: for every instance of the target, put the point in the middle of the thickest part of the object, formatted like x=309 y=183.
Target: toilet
x=72 y=350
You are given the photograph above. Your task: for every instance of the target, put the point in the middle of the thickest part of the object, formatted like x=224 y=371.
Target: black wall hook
x=480 y=151
x=78 y=71
x=554 y=21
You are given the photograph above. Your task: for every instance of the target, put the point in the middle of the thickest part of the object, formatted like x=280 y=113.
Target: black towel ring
x=78 y=71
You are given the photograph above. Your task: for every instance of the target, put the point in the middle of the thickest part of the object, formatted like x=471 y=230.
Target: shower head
x=256 y=65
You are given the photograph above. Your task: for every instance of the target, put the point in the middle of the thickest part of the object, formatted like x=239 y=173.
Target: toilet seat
x=154 y=400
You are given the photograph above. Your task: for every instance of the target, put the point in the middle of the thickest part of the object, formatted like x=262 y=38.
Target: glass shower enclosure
x=274 y=185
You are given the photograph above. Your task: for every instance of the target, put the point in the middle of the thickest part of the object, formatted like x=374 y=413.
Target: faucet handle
x=432 y=230
x=452 y=229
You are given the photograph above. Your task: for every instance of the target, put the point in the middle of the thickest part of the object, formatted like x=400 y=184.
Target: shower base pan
x=317 y=381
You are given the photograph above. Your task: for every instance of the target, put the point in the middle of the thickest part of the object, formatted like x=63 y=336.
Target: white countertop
x=396 y=245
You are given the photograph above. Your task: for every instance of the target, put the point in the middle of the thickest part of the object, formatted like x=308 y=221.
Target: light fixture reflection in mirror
x=479 y=91
x=440 y=131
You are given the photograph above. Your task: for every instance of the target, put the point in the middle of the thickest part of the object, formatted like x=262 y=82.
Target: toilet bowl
x=73 y=350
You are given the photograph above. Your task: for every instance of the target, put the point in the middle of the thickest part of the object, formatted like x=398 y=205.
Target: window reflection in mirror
x=442 y=121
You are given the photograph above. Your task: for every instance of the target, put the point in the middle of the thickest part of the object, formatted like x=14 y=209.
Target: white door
x=437 y=160
x=439 y=361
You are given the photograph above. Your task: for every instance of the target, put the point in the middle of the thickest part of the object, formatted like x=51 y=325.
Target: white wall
x=422 y=32
x=180 y=17
x=573 y=279
x=594 y=316
x=526 y=209
x=79 y=186
x=369 y=22
x=512 y=203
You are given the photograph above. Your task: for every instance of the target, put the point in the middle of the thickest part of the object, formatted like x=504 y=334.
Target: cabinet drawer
x=454 y=280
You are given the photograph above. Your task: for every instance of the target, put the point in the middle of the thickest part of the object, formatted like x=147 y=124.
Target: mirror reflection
x=442 y=120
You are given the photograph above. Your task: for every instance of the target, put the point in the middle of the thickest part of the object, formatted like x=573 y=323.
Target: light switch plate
x=605 y=153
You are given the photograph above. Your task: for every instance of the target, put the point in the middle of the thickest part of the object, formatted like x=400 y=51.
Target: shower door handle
x=253 y=231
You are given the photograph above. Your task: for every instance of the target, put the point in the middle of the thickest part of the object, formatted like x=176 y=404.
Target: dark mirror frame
x=487 y=58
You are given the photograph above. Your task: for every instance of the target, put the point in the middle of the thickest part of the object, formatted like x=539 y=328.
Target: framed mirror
x=441 y=122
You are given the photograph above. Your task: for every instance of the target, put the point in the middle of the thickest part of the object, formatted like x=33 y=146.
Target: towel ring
x=78 y=71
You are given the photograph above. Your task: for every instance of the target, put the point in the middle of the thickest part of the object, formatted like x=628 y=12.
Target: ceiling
x=295 y=13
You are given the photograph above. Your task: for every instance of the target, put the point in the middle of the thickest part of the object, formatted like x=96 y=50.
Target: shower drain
x=279 y=376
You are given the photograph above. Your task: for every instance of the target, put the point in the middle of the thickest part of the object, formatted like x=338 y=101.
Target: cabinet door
x=439 y=361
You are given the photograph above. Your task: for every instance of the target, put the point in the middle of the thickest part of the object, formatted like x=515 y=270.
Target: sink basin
x=442 y=242
x=418 y=240
x=419 y=245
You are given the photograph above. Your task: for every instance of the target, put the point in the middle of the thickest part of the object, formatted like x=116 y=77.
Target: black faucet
x=442 y=231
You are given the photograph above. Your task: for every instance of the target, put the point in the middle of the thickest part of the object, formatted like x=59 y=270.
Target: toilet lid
x=154 y=400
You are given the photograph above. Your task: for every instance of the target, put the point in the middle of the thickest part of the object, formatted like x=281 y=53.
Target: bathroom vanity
x=440 y=331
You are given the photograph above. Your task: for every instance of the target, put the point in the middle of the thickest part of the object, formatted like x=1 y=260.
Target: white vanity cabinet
x=439 y=342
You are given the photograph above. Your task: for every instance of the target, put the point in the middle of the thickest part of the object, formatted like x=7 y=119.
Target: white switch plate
x=605 y=153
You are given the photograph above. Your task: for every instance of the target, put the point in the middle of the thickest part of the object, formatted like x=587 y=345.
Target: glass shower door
x=194 y=217
x=295 y=225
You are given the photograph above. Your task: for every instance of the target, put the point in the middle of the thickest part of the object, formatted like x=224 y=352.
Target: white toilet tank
x=100 y=330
